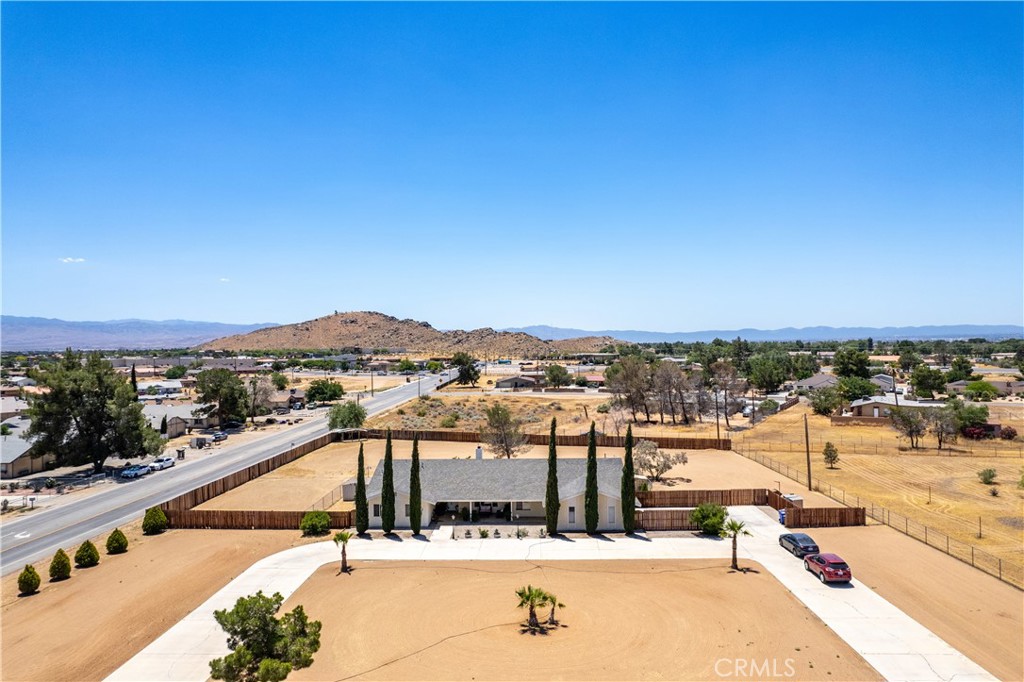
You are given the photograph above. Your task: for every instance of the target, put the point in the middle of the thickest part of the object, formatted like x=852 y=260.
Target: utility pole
x=807 y=443
x=718 y=430
x=371 y=384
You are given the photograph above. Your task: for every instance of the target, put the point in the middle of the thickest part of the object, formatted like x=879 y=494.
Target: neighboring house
x=12 y=407
x=817 y=381
x=516 y=382
x=15 y=460
x=596 y=358
x=1004 y=387
x=292 y=399
x=485 y=486
x=179 y=418
x=884 y=382
x=881 y=406
x=595 y=379
x=22 y=381
x=956 y=387
x=165 y=388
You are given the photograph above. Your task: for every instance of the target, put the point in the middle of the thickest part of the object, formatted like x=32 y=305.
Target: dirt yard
x=976 y=613
x=623 y=620
x=940 y=491
x=85 y=627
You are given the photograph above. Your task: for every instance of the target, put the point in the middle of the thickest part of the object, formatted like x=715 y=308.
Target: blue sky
x=655 y=166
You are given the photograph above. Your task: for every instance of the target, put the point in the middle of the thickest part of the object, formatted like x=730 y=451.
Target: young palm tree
x=341 y=539
x=733 y=529
x=553 y=602
x=532 y=598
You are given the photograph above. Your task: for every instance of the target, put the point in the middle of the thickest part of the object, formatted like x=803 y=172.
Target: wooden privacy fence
x=664 y=519
x=604 y=441
x=825 y=517
x=692 y=498
x=246 y=520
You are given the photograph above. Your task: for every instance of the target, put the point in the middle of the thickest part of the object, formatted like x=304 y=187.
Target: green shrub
x=315 y=523
x=987 y=476
x=709 y=517
x=50 y=483
x=117 y=543
x=154 y=522
x=483 y=532
x=603 y=408
x=60 y=566
x=994 y=492
x=401 y=411
x=28 y=581
x=87 y=555
x=450 y=421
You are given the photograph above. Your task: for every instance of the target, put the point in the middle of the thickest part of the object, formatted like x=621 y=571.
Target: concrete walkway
x=898 y=647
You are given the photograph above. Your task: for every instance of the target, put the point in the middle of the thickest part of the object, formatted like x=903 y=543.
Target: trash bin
x=782 y=516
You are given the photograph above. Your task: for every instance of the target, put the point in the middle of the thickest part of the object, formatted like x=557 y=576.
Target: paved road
x=30 y=538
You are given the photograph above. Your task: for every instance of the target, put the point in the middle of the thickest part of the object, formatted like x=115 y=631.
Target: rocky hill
x=376 y=330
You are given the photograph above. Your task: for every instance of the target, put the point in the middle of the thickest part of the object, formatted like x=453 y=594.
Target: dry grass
x=941 y=491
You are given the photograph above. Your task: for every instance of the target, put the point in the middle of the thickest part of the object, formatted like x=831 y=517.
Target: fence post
x=1000 y=569
x=926 y=535
x=972 y=555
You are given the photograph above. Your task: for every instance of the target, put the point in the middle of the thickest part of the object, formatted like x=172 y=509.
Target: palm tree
x=553 y=602
x=532 y=597
x=733 y=529
x=341 y=538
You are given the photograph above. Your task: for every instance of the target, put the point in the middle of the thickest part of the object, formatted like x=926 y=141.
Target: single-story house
x=516 y=382
x=1003 y=387
x=596 y=379
x=12 y=407
x=15 y=460
x=180 y=418
x=292 y=399
x=22 y=381
x=163 y=388
x=881 y=406
x=817 y=381
x=956 y=387
x=884 y=382
x=485 y=486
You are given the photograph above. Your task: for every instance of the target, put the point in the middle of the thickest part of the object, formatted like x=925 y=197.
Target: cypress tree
x=590 y=495
x=163 y=426
x=628 y=485
x=362 y=509
x=135 y=382
x=551 y=503
x=415 y=504
x=387 y=494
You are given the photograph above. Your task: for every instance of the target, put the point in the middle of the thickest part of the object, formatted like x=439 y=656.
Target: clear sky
x=658 y=166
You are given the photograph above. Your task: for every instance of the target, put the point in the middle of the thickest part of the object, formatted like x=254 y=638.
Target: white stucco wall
x=401 y=518
x=612 y=522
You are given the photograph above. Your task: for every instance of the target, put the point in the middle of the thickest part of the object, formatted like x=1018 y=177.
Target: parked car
x=233 y=425
x=830 y=568
x=135 y=471
x=161 y=463
x=798 y=544
x=311 y=406
x=219 y=436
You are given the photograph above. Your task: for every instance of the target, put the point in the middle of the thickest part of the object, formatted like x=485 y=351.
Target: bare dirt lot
x=978 y=614
x=941 y=491
x=623 y=620
x=85 y=627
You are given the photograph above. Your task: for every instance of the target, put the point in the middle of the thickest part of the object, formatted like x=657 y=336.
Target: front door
x=611 y=515
x=572 y=516
x=875 y=412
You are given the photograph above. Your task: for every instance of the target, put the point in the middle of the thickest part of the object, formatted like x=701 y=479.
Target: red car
x=830 y=568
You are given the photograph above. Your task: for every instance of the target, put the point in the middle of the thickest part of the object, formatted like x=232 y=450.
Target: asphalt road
x=38 y=535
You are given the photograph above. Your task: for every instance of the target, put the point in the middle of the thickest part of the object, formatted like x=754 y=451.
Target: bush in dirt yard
x=87 y=555
x=710 y=517
x=315 y=523
x=1008 y=433
x=60 y=567
x=117 y=543
x=154 y=522
x=987 y=476
x=28 y=581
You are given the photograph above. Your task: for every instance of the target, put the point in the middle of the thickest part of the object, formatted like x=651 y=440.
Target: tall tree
x=768 y=370
x=590 y=492
x=503 y=433
x=222 y=392
x=728 y=383
x=850 y=362
x=135 y=381
x=466 y=364
x=734 y=528
x=258 y=395
x=87 y=413
x=349 y=415
x=387 y=495
x=927 y=381
x=163 y=425
x=264 y=647
x=551 y=501
x=960 y=370
x=362 y=508
x=556 y=375
x=628 y=485
x=630 y=379
x=910 y=422
x=415 y=495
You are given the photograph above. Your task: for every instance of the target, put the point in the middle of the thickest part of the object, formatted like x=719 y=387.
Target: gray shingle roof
x=497 y=480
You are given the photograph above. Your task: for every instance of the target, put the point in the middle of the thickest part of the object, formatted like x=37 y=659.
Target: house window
x=407 y=511
x=611 y=513
x=572 y=515
x=376 y=511
x=519 y=506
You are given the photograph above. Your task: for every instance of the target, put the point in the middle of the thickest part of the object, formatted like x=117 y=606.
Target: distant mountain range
x=953 y=331
x=40 y=333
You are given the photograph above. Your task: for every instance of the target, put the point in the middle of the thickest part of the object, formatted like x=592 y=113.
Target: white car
x=161 y=463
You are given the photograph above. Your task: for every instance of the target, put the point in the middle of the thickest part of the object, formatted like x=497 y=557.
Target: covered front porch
x=471 y=511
